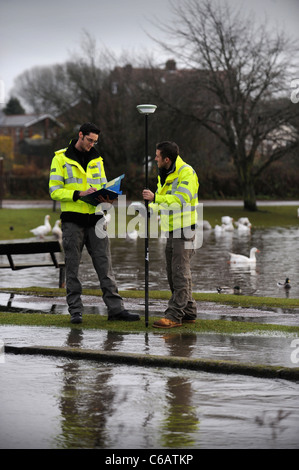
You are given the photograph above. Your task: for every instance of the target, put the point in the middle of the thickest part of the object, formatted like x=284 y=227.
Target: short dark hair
x=168 y=149
x=88 y=127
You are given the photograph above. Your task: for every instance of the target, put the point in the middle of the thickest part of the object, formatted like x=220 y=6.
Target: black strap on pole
x=146 y=250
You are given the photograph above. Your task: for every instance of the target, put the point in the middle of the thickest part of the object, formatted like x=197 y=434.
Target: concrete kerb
x=205 y=365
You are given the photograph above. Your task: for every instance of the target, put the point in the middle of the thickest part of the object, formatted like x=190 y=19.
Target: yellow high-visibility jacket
x=177 y=199
x=68 y=176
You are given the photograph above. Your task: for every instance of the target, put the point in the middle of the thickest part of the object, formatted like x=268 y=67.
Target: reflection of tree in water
x=86 y=399
x=181 y=422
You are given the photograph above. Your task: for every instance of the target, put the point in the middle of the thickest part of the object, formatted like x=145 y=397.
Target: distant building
x=25 y=126
x=31 y=136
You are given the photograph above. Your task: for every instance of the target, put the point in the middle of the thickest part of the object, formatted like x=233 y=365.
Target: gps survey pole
x=146 y=109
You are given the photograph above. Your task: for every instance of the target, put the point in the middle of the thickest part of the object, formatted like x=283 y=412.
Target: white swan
x=224 y=228
x=107 y=218
x=56 y=230
x=133 y=235
x=206 y=225
x=219 y=228
x=243 y=221
x=241 y=259
x=42 y=230
x=227 y=220
x=243 y=229
x=228 y=227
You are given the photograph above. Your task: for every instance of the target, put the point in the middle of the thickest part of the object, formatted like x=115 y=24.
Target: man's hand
x=148 y=195
x=107 y=199
x=88 y=191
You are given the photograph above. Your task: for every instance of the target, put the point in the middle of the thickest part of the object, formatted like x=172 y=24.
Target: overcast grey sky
x=38 y=32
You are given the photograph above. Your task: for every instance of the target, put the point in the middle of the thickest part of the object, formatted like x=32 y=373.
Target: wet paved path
x=269 y=349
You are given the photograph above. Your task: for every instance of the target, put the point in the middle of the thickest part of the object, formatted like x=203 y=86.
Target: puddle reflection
x=103 y=406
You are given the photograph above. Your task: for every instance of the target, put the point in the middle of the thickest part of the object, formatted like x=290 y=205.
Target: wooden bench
x=31 y=247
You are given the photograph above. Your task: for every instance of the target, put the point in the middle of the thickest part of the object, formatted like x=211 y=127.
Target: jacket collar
x=71 y=153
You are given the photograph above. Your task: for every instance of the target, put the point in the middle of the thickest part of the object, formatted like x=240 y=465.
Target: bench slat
x=31 y=246
x=28 y=247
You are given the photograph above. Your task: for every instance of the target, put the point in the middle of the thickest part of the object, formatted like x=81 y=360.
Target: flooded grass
x=225 y=299
x=100 y=322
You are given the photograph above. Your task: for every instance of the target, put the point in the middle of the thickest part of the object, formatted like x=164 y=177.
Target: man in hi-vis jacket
x=176 y=200
x=76 y=171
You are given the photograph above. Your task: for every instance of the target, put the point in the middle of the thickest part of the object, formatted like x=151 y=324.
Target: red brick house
x=25 y=126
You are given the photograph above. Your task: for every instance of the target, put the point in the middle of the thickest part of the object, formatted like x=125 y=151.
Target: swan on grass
x=42 y=230
x=241 y=259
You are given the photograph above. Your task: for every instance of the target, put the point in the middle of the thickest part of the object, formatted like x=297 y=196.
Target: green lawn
x=266 y=216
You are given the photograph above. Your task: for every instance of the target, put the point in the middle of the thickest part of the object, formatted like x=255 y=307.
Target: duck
x=241 y=259
x=56 y=230
x=42 y=230
x=236 y=290
x=286 y=284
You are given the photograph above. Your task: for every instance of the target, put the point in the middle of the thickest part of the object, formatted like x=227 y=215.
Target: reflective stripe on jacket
x=68 y=176
x=177 y=199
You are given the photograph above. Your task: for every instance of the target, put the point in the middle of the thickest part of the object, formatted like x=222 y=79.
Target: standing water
x=278 y=259
x=63 y=403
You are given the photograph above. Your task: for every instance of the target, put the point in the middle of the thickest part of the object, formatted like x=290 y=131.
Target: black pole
x=146 y=250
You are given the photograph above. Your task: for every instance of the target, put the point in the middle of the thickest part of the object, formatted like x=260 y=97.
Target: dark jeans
x=178 y=258
x=74 y=238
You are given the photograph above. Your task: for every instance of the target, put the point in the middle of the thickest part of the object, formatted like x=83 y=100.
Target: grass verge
x=225 y=299
x=100 y=322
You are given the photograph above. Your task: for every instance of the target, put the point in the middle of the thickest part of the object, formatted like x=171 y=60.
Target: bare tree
x=59 y=88
x=236 y=73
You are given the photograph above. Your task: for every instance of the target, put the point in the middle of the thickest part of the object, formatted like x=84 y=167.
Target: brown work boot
x=165 y=323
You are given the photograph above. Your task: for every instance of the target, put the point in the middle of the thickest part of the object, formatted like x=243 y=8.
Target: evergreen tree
x=13 y=106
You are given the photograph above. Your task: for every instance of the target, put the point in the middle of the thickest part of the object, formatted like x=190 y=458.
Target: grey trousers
x=74 y=237
x=178 y=258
